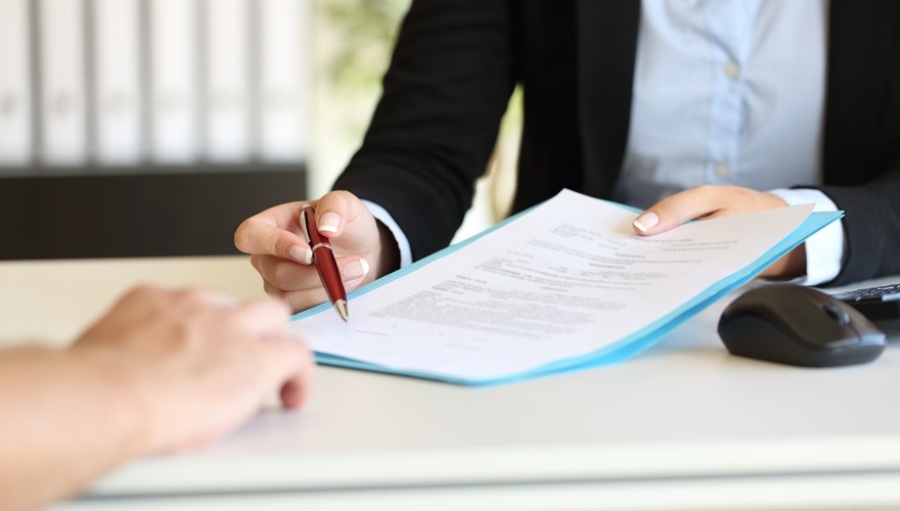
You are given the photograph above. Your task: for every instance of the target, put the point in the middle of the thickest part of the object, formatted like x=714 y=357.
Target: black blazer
x=457 y=61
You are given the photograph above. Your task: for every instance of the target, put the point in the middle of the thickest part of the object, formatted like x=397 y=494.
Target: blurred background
x=133 y=128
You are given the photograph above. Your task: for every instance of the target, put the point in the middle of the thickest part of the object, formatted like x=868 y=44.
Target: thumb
x=675 y=210
x=336 y=210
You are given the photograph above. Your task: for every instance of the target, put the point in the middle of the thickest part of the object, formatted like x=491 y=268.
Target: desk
x=683 y=426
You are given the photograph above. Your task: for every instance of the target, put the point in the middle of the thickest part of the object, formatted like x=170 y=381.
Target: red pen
x=323 y=258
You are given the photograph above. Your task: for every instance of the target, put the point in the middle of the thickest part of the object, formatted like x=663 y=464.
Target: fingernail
x=301 y=254
x=355 y=270
x=329 y=222
x=646 y=221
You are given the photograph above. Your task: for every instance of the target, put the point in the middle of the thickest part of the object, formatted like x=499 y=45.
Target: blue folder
x=619 y=351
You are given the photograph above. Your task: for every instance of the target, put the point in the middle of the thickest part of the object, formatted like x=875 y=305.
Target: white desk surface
x=684 y=425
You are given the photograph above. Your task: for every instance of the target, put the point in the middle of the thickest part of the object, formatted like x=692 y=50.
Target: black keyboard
x=881 y=304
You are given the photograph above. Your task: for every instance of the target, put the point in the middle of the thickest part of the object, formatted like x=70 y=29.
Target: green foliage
x=365 y=31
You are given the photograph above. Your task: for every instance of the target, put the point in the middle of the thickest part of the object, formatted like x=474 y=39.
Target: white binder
x=174 y=132
x=285 y=32
x=118 y=101
x=62 y=95
x=227 y=78
x=15 y=86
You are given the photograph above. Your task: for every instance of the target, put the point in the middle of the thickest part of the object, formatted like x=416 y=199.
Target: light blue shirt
x=731 y=92
x=726 y=92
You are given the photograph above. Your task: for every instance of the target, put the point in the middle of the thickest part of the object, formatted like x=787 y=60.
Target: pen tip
x=341 y=307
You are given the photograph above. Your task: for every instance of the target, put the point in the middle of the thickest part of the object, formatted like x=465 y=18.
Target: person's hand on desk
x=162 y=371
x=364 y=249
x=714 y=201
x=198 y=363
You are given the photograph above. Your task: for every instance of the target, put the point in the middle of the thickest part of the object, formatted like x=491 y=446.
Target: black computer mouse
x=797 y=325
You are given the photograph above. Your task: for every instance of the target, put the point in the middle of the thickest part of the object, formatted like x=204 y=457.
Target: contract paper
x=562 y=286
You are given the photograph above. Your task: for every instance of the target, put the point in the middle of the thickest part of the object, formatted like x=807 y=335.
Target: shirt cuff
x=385 y=218
x=824 y=249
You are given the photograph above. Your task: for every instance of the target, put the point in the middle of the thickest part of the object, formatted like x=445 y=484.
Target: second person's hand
x=363 y=248
x=714 y=201
x=193 y=364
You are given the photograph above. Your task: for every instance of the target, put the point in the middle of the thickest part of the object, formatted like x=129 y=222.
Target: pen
x=323 y=258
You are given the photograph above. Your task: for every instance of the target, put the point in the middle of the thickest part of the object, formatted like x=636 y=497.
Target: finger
x=290 y=276
x=264 y=318
x=677 y=209
x=353 y=271
x=193 y=298
x=297 y=300
x=288 y=368
x=142 y=297
x=274 y=235
x=295 y=390
x=286 y=275
x=336 y=210
x=285 y=216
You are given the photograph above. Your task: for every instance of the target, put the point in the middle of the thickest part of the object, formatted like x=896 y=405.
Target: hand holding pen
x=364 y=249
x=323 y=258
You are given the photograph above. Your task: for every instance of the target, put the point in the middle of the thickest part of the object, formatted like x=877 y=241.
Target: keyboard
x=881 y=304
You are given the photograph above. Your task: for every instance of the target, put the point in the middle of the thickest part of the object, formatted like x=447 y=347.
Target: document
x=562 y=286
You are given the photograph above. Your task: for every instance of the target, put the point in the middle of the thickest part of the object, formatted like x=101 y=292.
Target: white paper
x=566 y=279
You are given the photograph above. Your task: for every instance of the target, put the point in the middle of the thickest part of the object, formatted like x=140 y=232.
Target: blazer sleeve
x=435 y=126
x=871 y=227
x=861 y=149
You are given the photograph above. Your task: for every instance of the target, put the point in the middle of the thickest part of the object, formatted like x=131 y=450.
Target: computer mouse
x=797 y=325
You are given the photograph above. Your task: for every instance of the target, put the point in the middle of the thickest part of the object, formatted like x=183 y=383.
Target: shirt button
x=723 y=170
x=731 y=69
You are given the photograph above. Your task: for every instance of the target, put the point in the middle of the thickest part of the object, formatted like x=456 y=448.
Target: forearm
x=434 y=129
x=65 y=423
x=872 y=227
